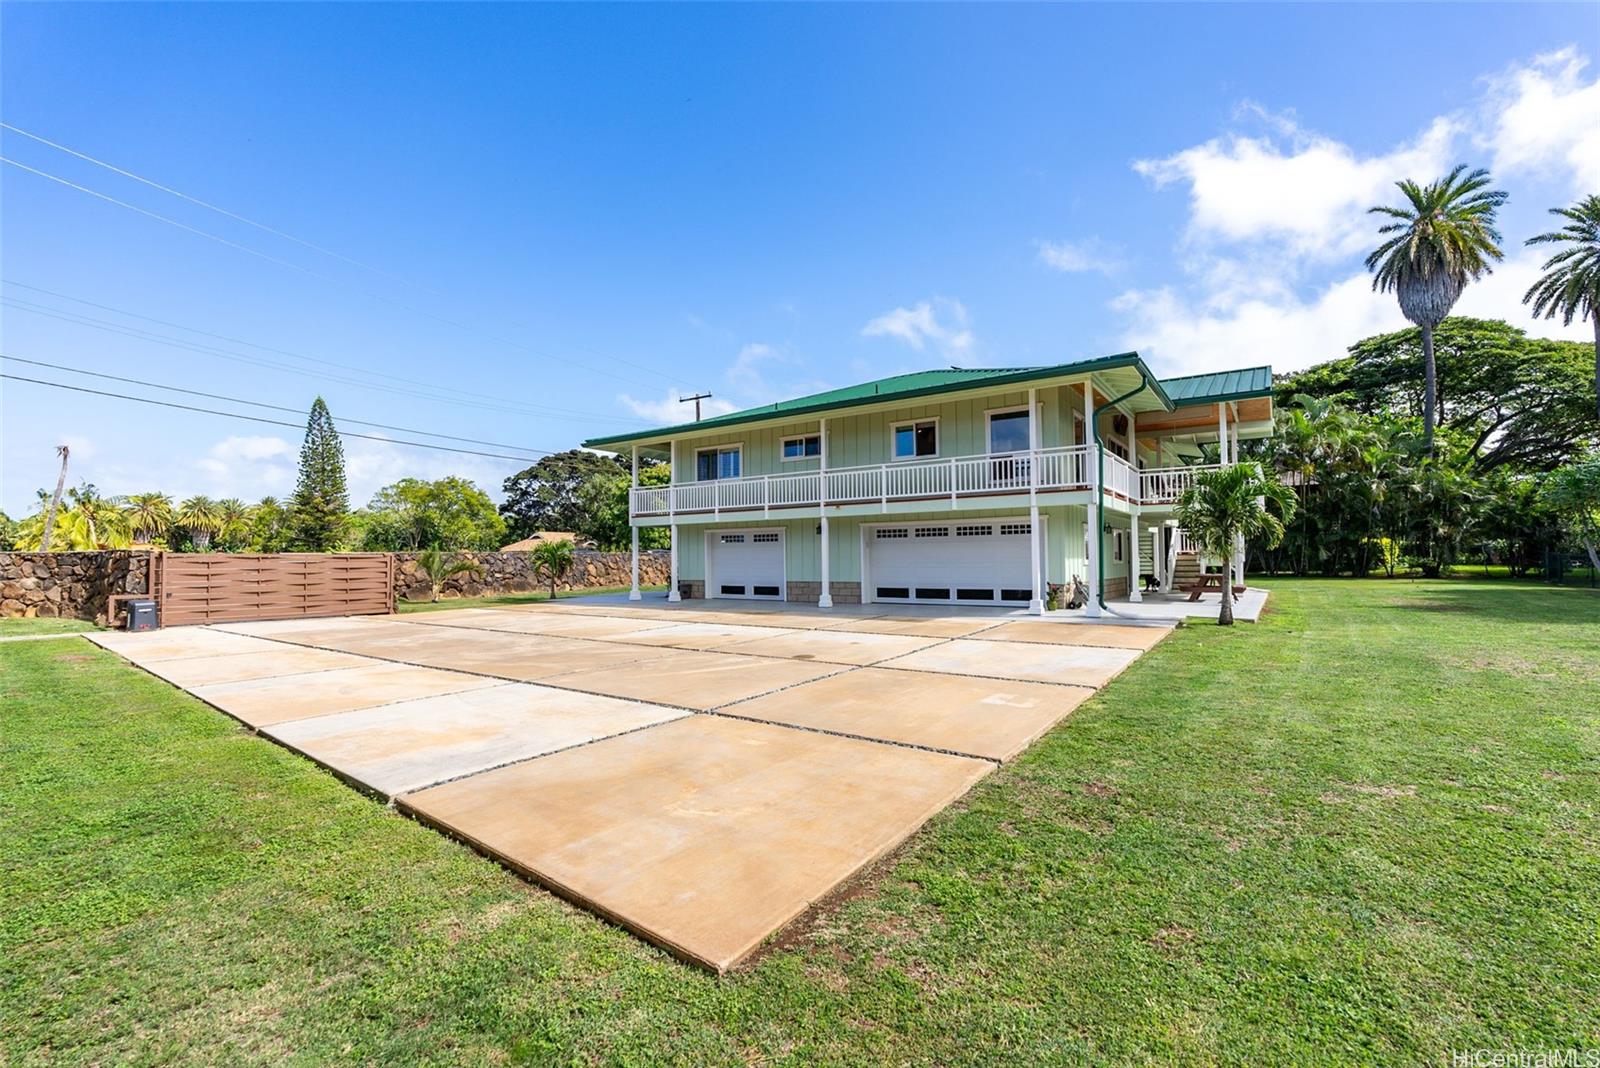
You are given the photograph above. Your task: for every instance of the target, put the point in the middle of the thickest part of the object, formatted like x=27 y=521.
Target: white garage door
x=981 y=561
x=744 y=563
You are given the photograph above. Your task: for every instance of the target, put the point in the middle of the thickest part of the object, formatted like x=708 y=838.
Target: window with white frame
x=915 y=440
x=1117 y=546
x=802 y=447
x=721 y=461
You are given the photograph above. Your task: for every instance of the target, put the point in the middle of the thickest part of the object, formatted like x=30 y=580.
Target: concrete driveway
x=700 y=775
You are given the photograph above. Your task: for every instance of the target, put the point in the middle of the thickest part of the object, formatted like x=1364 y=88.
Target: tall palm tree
x=1227 y=503
x=1442 y=239
x=1571 y=285
x=150 y=514
x=200 y=516
x=55 y=502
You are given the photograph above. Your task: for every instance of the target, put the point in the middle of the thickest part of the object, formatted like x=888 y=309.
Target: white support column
x=1134 y=593
x=1158 y=559
x=1036 y=605
x=672 y=589
x=1172 y=561
x=1222 y=434
x=826 y=600
x=633 y=528
x=1092 y=549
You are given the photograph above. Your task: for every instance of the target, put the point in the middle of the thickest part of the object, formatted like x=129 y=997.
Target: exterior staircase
x=1186 y=571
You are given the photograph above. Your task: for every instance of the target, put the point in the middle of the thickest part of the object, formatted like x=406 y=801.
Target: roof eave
x=1088 y=367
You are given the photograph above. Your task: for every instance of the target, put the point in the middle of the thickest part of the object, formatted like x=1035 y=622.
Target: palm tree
x=98 y=522
x=200 y=516
x=1443 y=239
x=150 y=514
x=1571 y=285
x=55 y=502
x=1228 y=503
x=552 y=559
x=233 y=521
x=439 y=570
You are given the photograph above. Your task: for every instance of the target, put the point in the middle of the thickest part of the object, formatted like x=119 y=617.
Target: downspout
x=1100 y=482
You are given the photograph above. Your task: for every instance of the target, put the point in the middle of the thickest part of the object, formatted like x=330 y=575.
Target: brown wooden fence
x=230 y=587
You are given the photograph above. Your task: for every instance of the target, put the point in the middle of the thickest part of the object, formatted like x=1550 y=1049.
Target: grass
x=1364 y=830
x=14 y=625
x=506 y=598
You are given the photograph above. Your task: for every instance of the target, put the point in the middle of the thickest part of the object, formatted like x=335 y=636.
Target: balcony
x=916 y=480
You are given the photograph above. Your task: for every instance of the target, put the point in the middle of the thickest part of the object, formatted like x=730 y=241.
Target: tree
x=321 y=503
x=8 y=532
x=200 y=517
x=233 y=531
x=603 y=510
x=151 y=515
x=1571 y=284
x=85 y=521
x=552 y=559
x=1521 y=402
x=449 y=513
x=440 y=569
x=1225 y=504
x=545 y=496
x=55 y=502
x=269 y=526
x=1443 y=239
x=1573 y=492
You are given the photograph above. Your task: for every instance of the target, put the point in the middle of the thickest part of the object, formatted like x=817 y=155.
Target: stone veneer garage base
x=698 y=774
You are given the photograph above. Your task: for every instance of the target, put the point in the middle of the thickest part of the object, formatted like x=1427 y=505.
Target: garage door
x=975 y=562
x=745 y=563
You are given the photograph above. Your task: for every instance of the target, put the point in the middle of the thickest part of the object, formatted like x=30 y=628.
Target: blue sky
x=561 y=216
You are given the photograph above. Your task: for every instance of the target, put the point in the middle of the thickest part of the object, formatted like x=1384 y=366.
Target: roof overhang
x=1112 y=376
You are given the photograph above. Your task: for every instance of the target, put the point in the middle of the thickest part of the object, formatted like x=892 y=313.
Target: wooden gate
x=230 y=587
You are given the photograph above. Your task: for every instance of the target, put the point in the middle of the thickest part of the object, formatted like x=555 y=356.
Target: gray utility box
x=141 y=615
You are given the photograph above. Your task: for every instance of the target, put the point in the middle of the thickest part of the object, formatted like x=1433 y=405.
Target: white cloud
x=1543 y=118
x=1270 y=260
x=247 y=466
x=1304 y=192
x=941 y=322
x=746 y=370
x=1184 y=335
x=1074 y=256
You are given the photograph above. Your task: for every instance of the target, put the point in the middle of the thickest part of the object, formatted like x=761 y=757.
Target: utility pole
x=55 y=502
x=697 y=398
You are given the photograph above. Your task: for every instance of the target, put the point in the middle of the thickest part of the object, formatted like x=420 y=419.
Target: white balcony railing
x=1163 y=485
x=960 y=476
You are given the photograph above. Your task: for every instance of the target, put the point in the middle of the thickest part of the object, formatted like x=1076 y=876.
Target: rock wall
x=69 y=585
x=514 y=573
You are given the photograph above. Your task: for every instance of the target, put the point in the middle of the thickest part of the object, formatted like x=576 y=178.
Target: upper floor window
x=1008 y=431
x=715 y=463
x=915 y=440
x=803 y=447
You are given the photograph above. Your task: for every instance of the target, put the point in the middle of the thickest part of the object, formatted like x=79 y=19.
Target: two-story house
x=951 y=486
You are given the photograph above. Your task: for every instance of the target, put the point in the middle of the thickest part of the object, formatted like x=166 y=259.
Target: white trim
x=710 y=570
x=726 y=447
x=784 y=441
x=938 y=439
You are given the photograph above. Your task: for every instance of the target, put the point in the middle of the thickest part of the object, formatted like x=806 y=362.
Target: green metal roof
x=895 y=388
x=1219 y=386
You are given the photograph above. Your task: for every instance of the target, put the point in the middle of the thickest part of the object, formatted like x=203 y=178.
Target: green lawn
x=1366 y=829
x=12 y=626
x=507 y=598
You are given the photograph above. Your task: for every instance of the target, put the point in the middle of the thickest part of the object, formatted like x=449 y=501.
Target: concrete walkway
x=699 y=775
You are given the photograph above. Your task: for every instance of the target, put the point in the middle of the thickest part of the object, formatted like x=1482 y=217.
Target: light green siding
x=864 y=440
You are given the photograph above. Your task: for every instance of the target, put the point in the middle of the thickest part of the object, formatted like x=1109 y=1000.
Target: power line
x=251 y=403
x=329 y=278
x=272 y=422
x=140 y=334
x=499 y=403
x=211 y=207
